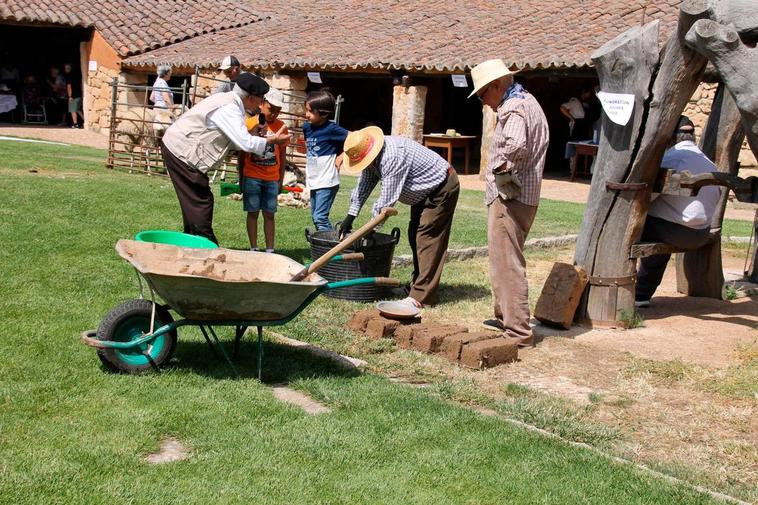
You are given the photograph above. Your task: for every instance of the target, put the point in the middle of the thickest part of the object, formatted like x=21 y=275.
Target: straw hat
x=486 y=72
x=361 y=148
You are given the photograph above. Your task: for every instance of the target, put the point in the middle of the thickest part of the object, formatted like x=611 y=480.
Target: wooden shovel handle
x=347 y=242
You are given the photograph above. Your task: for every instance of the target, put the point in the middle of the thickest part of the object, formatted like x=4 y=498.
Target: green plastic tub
x=175 y=238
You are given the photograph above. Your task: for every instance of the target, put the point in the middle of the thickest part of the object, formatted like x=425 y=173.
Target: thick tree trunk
x=631 y=154
x=700 y=273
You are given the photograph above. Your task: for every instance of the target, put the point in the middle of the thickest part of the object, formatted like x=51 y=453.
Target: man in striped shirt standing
x=414 y=175
x=513 y=178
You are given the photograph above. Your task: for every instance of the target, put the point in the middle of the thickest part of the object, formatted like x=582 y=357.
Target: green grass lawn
x=73 y=433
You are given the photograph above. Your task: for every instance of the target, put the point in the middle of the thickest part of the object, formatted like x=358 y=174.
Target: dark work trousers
x=428 y=236
x=651 y=269
x=194 y=193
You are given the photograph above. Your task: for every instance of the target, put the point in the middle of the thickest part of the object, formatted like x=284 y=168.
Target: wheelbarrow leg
x=208 y=340
x=239 y=332
x=260 y=351
x=221 y=348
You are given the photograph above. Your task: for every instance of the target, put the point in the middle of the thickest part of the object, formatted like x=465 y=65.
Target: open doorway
x=27 y=55
x=367 y=99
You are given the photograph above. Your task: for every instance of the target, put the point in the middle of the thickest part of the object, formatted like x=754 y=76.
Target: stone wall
x=698 y=109
x=408 y=108
x=97 y=98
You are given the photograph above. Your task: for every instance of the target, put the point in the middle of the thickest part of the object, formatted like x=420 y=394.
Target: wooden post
x=700 y=273
x=631 y=154
x=736 y=62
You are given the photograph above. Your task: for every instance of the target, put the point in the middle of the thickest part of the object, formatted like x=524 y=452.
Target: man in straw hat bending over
x=412 y=174
x=198 y=142
x=513 y=178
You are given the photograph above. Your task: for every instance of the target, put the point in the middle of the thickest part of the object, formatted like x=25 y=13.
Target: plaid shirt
x=408 y=171
x=520 y=143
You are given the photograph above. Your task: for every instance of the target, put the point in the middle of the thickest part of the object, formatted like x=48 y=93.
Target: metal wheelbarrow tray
x=207 y=287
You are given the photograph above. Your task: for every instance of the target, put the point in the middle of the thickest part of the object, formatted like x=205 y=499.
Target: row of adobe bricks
x=454 y=342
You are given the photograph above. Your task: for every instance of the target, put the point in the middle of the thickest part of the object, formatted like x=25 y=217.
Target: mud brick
x=561 y=294
x=359 y=321
x=381 y=328
x=452 y=345
x=489 y=353
x=430 y=338
x=405 y=334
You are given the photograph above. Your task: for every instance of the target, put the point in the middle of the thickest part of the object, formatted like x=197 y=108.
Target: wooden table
x=586 y=149
x=450 y=143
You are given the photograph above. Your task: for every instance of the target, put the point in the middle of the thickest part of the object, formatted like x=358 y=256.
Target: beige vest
x=190 y=139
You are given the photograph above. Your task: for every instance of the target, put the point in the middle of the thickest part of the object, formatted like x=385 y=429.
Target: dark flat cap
x=685 y=125
x=253 y=84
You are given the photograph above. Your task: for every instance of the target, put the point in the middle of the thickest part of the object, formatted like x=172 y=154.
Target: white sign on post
x=92 y=66
x=459 y=81
x=315 y=77
x=618 y=106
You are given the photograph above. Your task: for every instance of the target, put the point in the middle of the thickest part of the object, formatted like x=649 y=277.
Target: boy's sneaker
x=269 y=250
x=493 y=324
x=642 y=303
x=255 y=249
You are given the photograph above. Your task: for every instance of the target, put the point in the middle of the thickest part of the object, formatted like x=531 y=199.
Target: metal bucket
x=378 y=251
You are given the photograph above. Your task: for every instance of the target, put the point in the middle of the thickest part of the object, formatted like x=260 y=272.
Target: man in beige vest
x=513 y=180
x=199 y=141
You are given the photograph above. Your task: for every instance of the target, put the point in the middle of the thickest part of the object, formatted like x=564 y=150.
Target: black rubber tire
x=136 y=313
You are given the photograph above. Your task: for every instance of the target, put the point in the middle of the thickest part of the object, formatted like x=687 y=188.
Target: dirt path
x=56 y=134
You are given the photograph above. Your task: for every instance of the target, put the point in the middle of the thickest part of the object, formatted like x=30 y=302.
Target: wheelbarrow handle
x=347 y=242
x=358 y=256
x=377 y=281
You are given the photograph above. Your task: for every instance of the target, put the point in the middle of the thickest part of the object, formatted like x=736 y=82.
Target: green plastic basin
x=175 y=238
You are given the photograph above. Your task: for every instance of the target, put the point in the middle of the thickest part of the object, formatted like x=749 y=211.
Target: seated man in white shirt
x=682 y=221
x=199 y=141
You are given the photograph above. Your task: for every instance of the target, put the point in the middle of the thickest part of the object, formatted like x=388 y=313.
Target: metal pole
x=112 y=132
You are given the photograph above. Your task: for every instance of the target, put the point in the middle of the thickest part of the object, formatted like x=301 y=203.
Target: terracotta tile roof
x=135 y=26
x=418 y=35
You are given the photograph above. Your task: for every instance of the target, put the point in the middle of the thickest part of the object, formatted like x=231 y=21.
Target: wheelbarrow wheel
x=130 y=321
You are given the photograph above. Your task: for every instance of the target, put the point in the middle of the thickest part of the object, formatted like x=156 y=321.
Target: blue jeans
x=321 y=203
x=259 y=195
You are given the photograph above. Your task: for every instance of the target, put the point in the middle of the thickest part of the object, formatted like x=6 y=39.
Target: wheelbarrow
x=210 y=288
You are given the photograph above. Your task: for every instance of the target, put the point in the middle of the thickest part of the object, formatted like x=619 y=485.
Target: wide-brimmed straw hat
x=361 y=148
x=488 y=71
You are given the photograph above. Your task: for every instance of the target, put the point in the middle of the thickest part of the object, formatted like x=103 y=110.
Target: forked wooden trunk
x=629 y=157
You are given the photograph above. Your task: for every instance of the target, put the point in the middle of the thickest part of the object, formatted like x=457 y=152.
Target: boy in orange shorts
x=261 y=175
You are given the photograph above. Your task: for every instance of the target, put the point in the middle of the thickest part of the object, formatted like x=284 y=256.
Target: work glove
x=347 y=226
x=508 y=185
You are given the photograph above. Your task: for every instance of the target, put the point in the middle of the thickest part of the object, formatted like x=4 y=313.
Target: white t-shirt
x=691 y=211
x=575 y=107
x=157 y=94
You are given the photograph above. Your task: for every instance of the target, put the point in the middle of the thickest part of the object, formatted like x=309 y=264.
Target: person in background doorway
x=261 y=175
x=230 y=66
x=161 y=95
x=58 y=95
x=324 y=140
x=73 y=94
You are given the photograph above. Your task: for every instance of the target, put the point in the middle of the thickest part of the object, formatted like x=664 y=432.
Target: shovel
x=347 y=242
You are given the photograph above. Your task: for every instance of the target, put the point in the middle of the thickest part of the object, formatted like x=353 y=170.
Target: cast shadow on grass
x=462 y=292
x=281 y=363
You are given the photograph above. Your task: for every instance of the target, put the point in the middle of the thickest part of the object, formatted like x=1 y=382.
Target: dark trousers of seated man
x=651 y=269
x=428 y=236
x=194 y=193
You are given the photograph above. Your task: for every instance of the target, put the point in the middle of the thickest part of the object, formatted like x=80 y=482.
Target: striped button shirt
x=408 y=171
x=520 y=143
